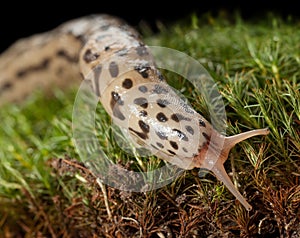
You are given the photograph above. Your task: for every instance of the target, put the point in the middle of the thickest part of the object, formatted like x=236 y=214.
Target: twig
x=105 y=197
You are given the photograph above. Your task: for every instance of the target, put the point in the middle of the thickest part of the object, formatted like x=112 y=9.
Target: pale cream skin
x=110 y=55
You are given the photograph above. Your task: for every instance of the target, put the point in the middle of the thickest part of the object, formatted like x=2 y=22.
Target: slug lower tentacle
x=110 y=55
x=214 y=155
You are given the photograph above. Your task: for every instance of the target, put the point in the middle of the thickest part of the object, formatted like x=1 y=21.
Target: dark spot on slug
x=141 y=50
x=89 y=56
x=202 y=123
x=139 y=134
x=113 y=69
x=162 y=103
x=179 y=117
x=116 y=98
x=118 y=114
x=102 y=37
x=79 y=37
x=141 y=101
x=5 y=86
x=64 y=54
x=144 y=127
x=189 y=129
x=143 y=113
x=184 y=149
x=127 y=83
x=160 y=145
x=143 y=89
x=142 y=70
x=174 y=145
x=97 y=71
x=106 y=48
x=181 y=135
x=175 y=117
x=188 y=109
x=154 y=147
x=42 y=66
x=158 y=89
x=122 y=52
x=161 y=135
x=105 y=27
x=161 y=117
x=171 y=152
x=206 y=136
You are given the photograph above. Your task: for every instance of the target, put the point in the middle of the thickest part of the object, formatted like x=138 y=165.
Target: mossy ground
x=46 y=192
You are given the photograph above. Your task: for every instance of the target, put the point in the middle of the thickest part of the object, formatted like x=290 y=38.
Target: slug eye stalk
x=212 y=157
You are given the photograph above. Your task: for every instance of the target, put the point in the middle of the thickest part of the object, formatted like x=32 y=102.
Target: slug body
x=121 y=71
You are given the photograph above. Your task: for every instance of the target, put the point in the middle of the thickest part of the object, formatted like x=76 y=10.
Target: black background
x=23 y=19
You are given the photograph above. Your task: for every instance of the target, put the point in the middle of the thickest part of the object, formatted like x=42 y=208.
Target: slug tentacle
x=221 y=175
x=215 y=153
x=231 y=141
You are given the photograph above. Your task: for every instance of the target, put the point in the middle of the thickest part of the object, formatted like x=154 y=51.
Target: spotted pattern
x=180 y=135
x=189 y=129
x=143 y=113
x=61 y=53
x=142 y=135
x=143 y=89
x=160 y=145
x=161 y=117
x=141 y=101
x=144 y=126
x=142 y=50
x=113 y=69
x=21 y=73
x=179 y=117
x=205 y=136
x=162 y=102
x=159 y=89
x=171 y=152
x=142 y=70
x=127 y=83
x=161 y=135
x=202 y=123
x=89 y=56
x=174 y=145
x=97 y=72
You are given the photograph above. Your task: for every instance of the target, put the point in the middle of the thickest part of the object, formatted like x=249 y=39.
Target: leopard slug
x=110 y=55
